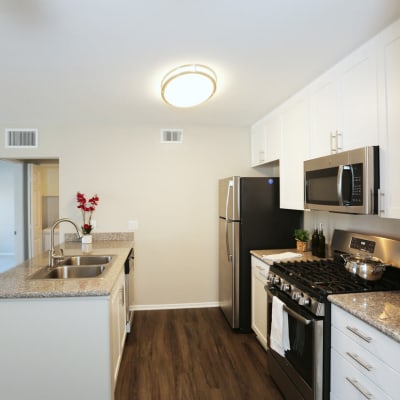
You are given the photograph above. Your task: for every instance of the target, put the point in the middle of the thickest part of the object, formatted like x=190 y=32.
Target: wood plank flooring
x=192 y=354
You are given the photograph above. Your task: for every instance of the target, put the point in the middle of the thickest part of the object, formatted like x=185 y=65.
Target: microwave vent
x=171 y=135
x=21 y=138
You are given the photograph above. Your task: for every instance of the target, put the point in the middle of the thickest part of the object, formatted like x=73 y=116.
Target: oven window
x=301 y=353
x=301 y=336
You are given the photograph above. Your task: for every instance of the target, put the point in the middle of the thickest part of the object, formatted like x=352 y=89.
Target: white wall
x=370 y=224
x=170 y=189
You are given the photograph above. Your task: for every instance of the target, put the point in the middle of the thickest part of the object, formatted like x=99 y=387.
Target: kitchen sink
x=69 y=272
x=86 y=260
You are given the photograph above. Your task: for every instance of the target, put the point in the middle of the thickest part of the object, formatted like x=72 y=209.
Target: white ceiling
x=103 y=60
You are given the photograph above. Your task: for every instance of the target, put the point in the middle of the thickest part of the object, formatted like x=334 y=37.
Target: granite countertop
x=15 y=283
x=305 y=255
x=378 y=309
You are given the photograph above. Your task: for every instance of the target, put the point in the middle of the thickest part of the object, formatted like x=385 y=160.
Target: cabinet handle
x=363 y=391
x=122 y=296
x=360 y=361
x=335 y=137
x=339 y=147
x=368 y=339
x=381 y=209
x=333 y=148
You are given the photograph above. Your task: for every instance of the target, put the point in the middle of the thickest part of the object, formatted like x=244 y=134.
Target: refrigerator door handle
x=228 y=249
x=228 y=195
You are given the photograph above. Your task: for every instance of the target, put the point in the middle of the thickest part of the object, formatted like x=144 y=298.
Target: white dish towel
x=279 y=328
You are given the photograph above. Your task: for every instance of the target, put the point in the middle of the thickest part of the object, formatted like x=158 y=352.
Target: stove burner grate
x=325 y=277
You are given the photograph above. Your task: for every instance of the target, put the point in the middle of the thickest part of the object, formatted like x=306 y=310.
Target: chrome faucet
x=53 y=257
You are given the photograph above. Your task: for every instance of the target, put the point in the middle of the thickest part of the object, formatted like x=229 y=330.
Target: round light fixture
x=188 y=85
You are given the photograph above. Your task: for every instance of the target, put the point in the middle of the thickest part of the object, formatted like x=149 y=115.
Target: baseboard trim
x=143 y=307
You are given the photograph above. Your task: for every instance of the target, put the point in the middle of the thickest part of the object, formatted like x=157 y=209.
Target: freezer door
x=229 y=271
x=229 y=198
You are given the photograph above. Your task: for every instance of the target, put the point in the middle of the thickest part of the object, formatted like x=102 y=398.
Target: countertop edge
x=380 y=310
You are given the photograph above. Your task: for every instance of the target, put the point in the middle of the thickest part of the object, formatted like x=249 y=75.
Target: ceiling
x=102 y=61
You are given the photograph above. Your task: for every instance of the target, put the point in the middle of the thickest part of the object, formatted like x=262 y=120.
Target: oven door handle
x=296 y=316
x=290 y=312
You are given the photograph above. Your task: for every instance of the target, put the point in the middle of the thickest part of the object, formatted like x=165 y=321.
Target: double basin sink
x=87 y=266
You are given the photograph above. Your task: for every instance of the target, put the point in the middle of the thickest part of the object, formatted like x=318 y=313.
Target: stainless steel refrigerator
x=249 y=219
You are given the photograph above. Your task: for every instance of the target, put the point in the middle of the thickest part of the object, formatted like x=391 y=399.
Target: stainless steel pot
x=366 y=267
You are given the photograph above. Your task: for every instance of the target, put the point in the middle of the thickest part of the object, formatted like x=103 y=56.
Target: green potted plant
x=302 y=237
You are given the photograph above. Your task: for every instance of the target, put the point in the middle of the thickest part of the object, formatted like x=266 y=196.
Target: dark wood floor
x=192 y=354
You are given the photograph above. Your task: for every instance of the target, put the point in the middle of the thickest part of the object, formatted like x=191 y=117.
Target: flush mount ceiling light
x=188 y=85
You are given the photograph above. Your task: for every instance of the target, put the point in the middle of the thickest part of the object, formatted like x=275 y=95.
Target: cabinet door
x=266 y=140
x=325 y=118
x=295 y=134
x=259 y=301
x=257 y=144
x=117 y=324
x=389 y=141
x=359 y=101
x=272 y=132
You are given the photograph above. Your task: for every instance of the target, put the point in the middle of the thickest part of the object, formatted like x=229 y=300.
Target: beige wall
x=170 y=189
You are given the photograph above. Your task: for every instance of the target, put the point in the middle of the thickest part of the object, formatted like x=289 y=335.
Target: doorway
x=29 y=204
x=12 y=214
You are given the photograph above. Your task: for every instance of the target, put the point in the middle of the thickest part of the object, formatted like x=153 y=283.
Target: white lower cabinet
x=364 y=361
x=259 y=300
x=117 y=324
x=61 y=348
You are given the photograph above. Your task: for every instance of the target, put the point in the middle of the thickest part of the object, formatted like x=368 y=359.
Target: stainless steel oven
x=299 y=290
x=303 y=361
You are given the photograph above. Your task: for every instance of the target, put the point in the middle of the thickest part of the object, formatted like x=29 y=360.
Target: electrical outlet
x=133 y=225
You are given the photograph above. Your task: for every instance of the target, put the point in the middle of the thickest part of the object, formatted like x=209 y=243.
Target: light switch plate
x=133 y=225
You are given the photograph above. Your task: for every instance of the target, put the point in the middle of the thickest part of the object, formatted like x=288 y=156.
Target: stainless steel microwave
x=345 y=182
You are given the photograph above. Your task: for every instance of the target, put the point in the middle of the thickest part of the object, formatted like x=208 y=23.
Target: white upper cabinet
x=360 y=100
x=325 y=118
x=354 y=104
x=295 y=136
x=344 y=105
x=258 y=144
x=265 y=140
x=389 y=112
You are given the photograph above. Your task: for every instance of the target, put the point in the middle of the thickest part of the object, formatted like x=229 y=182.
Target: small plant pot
x=86 y=239
x=301 y=246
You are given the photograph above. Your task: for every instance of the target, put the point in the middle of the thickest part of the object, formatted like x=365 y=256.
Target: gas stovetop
x=309 y=283
x=322 y=278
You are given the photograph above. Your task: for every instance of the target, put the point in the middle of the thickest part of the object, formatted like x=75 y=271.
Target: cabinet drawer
x=368 y=337
x=370 y=366
x=260 y=269
x=347 y=383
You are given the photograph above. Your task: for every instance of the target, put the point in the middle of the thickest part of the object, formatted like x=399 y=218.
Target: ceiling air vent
x=171 y=135
x=21 y=138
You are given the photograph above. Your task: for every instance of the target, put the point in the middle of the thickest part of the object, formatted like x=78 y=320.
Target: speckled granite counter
x=305 y=255
x=15 y=283
x=379 y=309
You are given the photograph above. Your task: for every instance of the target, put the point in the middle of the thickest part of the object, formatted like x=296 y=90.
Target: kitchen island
x=63 y=338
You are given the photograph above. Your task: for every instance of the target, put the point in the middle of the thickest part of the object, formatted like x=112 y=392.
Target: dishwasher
x=129 y=280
